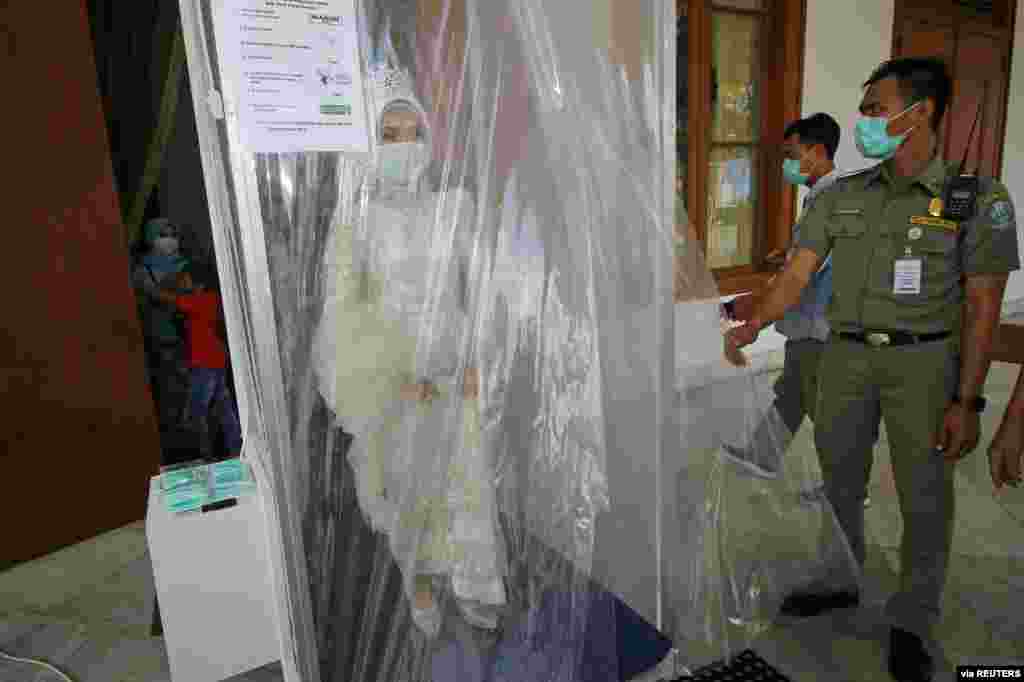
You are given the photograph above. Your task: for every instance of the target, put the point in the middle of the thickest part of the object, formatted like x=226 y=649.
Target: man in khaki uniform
x=898 y=304
x=810 y=142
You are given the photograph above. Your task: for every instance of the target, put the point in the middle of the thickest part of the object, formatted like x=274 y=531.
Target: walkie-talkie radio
x=960 y=195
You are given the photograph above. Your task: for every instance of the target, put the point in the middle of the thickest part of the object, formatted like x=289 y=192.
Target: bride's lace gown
x=393 y=317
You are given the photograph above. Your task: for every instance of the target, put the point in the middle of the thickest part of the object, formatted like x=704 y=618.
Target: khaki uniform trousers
x=910 y=388
x=796 y=390
x=796 y=397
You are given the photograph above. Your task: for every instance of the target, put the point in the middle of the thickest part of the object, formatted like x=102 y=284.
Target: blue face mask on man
x=791 y=168
x=791 y=171
x=873 y=138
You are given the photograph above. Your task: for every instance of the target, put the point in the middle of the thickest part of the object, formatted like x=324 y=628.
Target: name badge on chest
x=938 y=223
x=906 y=278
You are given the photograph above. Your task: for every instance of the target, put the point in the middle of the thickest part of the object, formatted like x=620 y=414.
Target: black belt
x=879 y=339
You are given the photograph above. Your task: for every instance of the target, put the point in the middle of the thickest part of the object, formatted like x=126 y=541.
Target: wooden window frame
x=781 y=95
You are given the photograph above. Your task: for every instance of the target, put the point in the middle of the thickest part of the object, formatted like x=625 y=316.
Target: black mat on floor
x=744 y=667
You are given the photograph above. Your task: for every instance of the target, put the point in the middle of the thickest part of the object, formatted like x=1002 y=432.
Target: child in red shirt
x=207 y=361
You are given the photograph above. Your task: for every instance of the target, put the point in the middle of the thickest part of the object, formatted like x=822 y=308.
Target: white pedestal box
x=214 y=588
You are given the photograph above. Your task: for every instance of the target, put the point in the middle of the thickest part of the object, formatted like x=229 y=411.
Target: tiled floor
x=87 y=609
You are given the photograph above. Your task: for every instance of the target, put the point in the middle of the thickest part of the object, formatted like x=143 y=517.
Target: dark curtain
x=139 y=64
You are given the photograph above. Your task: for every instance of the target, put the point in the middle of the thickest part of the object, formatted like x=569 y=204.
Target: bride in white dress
x=387 y=360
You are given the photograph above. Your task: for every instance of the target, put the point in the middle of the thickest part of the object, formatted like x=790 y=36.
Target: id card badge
x=907 y=276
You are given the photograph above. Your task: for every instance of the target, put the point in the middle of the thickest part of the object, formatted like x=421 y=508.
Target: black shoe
x=909 y=660
x=810 y=604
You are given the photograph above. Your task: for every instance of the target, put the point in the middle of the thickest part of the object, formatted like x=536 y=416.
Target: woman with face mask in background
x=157 y=268
x=387 y=360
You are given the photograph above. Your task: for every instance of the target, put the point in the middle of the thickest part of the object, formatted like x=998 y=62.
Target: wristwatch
x=976 y=405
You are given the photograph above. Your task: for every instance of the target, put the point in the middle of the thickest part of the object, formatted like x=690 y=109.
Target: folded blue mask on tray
x=187 y=487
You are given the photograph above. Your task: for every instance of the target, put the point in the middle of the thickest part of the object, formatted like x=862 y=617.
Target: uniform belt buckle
x=878 y=339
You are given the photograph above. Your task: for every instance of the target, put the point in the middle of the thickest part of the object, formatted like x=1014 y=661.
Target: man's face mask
x=873 y=138
x=791 y=171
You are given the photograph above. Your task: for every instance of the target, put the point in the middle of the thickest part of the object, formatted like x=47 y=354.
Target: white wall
x=1013 y=152
x=844 y=42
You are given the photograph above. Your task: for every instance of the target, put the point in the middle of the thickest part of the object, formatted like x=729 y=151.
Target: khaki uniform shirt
x=880 y=231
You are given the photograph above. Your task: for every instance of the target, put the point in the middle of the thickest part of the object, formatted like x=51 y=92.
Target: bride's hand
x=471 y=383
x=421 y=392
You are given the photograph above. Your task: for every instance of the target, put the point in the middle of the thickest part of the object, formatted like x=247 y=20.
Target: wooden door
x=974 y=40
x=982 y=75
x=78 y=438
x=921 y=38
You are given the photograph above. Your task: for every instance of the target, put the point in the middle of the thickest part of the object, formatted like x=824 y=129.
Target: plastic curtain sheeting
x=750 y=541
x=484 y=448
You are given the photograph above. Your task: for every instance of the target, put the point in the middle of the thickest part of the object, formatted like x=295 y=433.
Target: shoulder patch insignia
x=1001 y=213
x=998 y=195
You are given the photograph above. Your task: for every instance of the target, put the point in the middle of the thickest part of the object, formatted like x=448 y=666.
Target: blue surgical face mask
x=791 y=171
x=873 y=138
x=166 y=246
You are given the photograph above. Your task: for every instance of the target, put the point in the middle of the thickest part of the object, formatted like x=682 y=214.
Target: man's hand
x=784 y=293
x=959 y=433
x=777 y=257
x=745 y=334
x=733 y=354
x=421 y=392
x=984 y=294
x=735 y=339
x=471 y=383
x=1006 y=454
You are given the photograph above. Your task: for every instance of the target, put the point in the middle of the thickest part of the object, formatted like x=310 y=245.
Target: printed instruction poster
x=290 y=71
